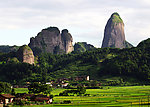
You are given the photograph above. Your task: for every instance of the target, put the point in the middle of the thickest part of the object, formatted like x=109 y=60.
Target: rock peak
x=50 y=40
x=115 y=13
x=114 y=35
x=65 y=31
x=67 y=41
x=115 y=18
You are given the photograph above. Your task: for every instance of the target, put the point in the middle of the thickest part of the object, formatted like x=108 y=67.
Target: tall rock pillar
x=114 y=32
x=67 y=41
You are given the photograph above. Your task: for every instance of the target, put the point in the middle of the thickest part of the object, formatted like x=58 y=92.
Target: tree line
x=98 y=62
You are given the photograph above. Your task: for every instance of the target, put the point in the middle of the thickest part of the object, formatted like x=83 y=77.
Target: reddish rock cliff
x=25 y=54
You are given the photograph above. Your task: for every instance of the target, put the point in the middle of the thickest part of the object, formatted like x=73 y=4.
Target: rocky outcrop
x=114 y=35
x=67 y=41
x=82 y=47
x=50 y=40
x=25 y=54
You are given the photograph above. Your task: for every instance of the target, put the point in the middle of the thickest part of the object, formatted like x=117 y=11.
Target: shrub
x=96 y=87
x=66 y=101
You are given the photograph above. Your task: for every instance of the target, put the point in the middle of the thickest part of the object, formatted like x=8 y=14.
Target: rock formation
x=51 y=41
x=25 y=54
x=114 y=35
x=67 y=41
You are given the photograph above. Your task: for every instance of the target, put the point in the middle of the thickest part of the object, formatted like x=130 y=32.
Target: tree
x=13 y=91
x=46 y=89
x=34 y=88
x=5 y=87
x=81 y=90
x=39 y=88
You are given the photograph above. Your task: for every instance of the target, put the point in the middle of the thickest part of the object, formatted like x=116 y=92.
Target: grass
x=21 y=90
x=106 y=97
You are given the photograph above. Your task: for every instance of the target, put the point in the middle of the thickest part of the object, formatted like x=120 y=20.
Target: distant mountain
x=7 y=48
x=82 y=47
x=144 y=44
x=50 y=40
x=114 y=35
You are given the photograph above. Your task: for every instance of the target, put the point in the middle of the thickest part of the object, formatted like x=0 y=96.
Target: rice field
x=130 y=96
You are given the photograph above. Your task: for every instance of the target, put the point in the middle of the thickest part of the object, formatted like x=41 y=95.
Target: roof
x=7 y=95
x=42 y=98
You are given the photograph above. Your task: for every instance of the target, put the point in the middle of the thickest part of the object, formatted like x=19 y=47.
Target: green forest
x=128 y=64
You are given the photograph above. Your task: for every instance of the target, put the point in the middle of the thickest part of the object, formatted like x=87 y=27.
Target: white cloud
x=85 y=19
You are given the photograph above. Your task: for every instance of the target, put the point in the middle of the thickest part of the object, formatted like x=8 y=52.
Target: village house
x=33 y=97
x=49 y=83
x=82 y=78
x=42 y=98
x=6 y=98
x=64 y=84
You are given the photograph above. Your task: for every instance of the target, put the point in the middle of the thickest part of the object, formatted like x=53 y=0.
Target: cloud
x=85 y=19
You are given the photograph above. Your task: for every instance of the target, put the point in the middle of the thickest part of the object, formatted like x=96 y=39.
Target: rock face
x=114 y=35
x=67 y=41
x=82 y=47
x=51 y=41
x=25 y=54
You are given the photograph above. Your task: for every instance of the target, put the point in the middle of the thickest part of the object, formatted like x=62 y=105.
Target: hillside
x=97 y=63
x=131 y=64
x=7 y=49
x=82 y=47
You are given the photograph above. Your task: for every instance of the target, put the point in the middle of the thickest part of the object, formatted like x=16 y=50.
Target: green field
x=130 y=96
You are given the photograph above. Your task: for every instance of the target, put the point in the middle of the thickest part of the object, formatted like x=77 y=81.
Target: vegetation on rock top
x=116 y=18
x=24 y=47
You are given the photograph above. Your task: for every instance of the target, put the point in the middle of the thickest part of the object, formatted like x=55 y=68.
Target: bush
x=51 y=96
x=96 y=87
x=66 y=101
x=86 y=94
x=63 y=94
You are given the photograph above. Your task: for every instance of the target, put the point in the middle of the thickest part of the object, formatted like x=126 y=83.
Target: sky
x=85 y=19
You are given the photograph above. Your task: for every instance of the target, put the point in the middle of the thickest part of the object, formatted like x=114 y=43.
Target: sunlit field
x=134 y=96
